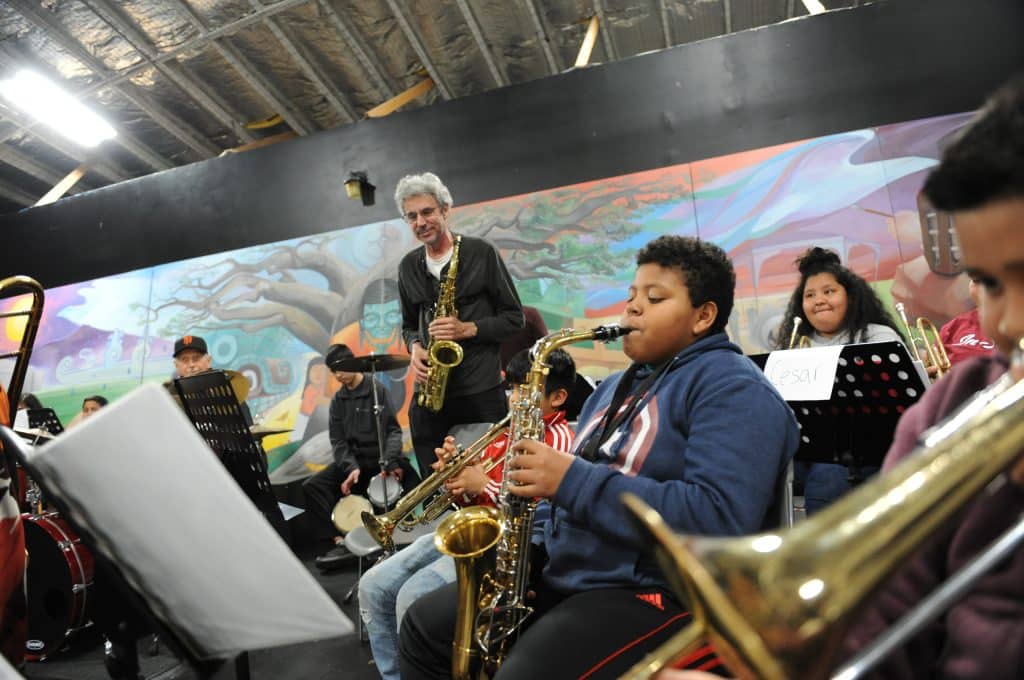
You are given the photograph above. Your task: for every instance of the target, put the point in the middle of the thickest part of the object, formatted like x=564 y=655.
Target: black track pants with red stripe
x=593 y=634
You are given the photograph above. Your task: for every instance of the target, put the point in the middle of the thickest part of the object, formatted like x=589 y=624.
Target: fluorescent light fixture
x=52 y=106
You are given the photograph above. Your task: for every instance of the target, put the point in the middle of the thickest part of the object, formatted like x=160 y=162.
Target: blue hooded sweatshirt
x=705 y=447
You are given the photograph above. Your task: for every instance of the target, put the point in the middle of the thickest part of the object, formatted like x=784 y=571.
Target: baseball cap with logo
x=189 y=342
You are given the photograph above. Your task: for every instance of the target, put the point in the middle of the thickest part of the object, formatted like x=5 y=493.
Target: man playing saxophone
x=387 y=590
x=692 y=425
x=487 y=310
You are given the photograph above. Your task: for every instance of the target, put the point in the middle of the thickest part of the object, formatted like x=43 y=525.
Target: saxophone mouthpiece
x=610 y=332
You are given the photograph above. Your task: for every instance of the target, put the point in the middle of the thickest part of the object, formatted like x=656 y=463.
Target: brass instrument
x=927 y=343
x=442 y=355
x=492 y=599
x=430 y=491
x=778 y=605
x=11 y=286
x=797 y=341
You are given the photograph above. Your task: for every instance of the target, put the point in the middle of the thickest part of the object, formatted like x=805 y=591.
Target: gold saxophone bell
x=469 y=537
x=778 y=605
x=926 y=342
x=403 y=515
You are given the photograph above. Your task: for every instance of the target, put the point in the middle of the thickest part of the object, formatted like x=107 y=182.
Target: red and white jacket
x=557 y=434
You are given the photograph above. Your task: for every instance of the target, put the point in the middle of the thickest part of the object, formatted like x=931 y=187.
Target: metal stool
x=361 y=544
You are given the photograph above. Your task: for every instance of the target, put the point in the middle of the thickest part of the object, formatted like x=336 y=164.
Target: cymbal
x=372 y=362
x=33 y=433
x=264 y=431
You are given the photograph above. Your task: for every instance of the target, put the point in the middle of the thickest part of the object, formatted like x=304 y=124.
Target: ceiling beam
x=366 y=57
x=246 y=69
x=611 y=54
x=542 y=36
x=63 y=186
x=15 y=194
x=173 y=70
x=727 y=11
x=301 y=56
x=205 y=37
x=589 y=38
x=188 y=135
x=104 y=167
x=478 y=35
x=790 y=8
x=417 y=46
x=13 y=157
x=666 y=26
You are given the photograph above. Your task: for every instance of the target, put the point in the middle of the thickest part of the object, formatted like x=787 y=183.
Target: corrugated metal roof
x=184 y=80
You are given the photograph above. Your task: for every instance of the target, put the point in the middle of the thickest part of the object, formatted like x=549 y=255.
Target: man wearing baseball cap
x=191 y=356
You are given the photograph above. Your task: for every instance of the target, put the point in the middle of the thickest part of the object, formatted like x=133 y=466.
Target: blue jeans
x=825 y=482
x=388 y=589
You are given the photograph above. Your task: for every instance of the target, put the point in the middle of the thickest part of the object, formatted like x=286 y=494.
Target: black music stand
x=192 y=562
x=45 y=419
x=210 y=403
x=874 y=384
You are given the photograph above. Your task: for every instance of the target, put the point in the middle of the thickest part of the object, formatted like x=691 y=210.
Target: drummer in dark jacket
x=356 y=450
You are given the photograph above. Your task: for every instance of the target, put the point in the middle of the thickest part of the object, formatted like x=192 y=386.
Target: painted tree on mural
x=563 y=233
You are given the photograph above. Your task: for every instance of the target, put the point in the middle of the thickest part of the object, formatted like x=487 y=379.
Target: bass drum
x=58 y=577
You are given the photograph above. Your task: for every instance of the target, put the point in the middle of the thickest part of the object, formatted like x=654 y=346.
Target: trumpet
x=431 y=490
x=778 y=605
x=797 y=341
x=926 y=341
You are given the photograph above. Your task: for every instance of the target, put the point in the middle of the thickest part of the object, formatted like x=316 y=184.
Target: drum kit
x=384 y=489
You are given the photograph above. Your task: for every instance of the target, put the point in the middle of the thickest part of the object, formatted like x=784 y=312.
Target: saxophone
x=492 y=599
x=442 y=355
x=430 y=492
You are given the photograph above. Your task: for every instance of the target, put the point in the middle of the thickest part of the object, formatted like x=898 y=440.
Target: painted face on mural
x=428 y=220
x=825 y=304
x=664 y=320
x=381 y=324
x=191 y=362
x=993 y=253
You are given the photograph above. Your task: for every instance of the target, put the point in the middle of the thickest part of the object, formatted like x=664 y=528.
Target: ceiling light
x=51 y=105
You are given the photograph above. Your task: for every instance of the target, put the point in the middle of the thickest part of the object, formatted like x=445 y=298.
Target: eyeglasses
x=426 y=214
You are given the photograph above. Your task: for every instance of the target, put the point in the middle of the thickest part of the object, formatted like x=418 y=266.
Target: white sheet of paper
x=141 y=481
x=803 y=374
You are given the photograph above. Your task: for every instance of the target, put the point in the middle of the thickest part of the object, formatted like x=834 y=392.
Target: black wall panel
x=839 y=71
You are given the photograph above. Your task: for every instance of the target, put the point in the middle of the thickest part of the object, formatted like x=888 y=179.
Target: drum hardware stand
x=377 y=412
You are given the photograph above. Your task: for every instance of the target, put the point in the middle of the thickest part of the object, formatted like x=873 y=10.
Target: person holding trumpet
x=390 y=587
x=353 y=433
x=980 y=180
x=831 y=306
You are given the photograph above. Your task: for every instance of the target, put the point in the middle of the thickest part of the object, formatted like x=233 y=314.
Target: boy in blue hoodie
x=692 y=427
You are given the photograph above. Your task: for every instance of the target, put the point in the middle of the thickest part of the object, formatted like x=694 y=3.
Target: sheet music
x=154 y=498
x=803 y=374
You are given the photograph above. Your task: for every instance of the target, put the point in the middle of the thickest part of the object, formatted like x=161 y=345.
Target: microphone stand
x=378 y=410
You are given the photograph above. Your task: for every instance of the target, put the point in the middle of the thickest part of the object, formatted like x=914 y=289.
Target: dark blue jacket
x=705 y=447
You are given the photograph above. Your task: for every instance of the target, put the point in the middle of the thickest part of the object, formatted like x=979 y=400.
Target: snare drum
x=347 y=514
x=381 y=485
x=59 y=575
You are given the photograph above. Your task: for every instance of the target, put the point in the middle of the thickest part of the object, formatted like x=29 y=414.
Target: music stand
x=210 y=403
x=874 y=384
x=182 y=561
x=45 y=419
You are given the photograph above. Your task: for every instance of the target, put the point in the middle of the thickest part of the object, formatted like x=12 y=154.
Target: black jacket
x=353 y=432
x=484 y=294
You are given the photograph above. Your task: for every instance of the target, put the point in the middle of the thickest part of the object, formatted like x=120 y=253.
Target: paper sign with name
x=803 y=374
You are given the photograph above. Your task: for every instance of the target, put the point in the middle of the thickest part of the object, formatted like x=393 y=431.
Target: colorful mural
x=270 y=311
